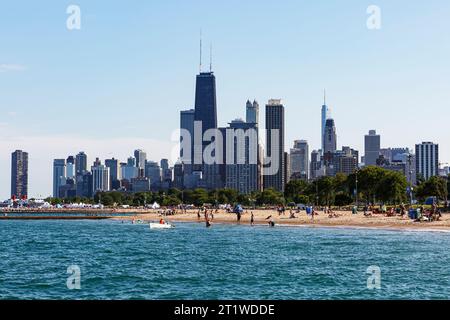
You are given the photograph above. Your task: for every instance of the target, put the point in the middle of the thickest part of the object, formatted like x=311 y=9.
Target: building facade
x=242 y=157
x=252 y=112
x=299 y=160
x=372 y=148
x=59 y=176
x=19 y=174
x=427 y=160
x=274 y=173
x=100 y=178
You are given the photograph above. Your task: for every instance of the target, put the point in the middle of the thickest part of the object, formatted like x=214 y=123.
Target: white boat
x=161 y=226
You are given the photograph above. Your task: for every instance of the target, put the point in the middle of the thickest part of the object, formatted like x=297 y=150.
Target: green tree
x=368 y=181
x=270 y=197
x=433 y=187
x=294 y=190
x=340 y=183
x=326 y=190
x=392 y=187
x=342 y=199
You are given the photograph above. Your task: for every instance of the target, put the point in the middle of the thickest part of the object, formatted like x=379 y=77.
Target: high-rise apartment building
x=299 y=160
x=274 y=172
x=372 y=147
x=427 y=159
x=19 y=174
x=59 y=176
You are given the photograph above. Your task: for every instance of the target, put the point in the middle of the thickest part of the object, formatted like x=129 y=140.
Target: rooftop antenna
x=324 y=97
x=211 y=58
x=201 y=48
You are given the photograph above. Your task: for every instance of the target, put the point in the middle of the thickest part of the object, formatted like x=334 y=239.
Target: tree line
x=368 y=185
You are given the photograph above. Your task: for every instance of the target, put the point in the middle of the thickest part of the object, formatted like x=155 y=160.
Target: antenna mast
x=211 y=58
x=201 y=48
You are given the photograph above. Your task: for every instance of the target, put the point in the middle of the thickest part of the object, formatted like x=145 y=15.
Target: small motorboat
x=165 y=225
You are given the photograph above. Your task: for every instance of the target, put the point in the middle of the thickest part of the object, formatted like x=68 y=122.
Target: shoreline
x=343 y=219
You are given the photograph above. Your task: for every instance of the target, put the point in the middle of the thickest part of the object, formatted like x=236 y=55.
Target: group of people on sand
x=420 y=214
x=331 y=214
x=428 y=215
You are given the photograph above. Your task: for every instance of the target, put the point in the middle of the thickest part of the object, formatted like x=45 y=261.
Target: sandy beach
x=343 y=219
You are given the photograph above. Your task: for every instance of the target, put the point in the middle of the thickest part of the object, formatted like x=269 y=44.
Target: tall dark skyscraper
x=330 y=137
x=205 y=100
x=114 y=173
x=19 y=174
x=274 y=176
x=205 y=103
x=206 y=113
x=187 y=118
x=81 y=163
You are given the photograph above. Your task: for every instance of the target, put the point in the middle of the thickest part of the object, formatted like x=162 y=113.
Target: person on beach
x=238 y=217
x=252 y=219
x=208 y=223
x=271 y=223
x=292 y=215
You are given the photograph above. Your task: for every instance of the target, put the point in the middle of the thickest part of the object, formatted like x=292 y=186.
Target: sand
x=344 y=219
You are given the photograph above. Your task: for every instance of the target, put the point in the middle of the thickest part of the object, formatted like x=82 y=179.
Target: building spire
x=324 y=97
x=210 y=58
x=201 y=50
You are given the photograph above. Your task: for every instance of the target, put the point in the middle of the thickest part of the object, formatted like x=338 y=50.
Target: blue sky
x=119 y=83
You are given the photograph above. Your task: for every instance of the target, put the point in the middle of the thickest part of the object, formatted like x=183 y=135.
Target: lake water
x=124 y=261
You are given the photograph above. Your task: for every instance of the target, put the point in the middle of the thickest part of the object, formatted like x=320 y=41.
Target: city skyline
x=28 y=122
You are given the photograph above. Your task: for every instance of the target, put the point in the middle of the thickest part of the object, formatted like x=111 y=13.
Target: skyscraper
x=206 y=114
x=141 y=157
x=70 y=167
x=19 y=174
x=274 y=172
x=372 y=147
x=242 y=151
x=326 y=114
x=178 y=175
x=129 y=170
x=164 y=164
x=114 y=173
x=205 y=101
x=100 y=177
x=427 y=159
x=252 y=112
x=299 y=160
x=80 y=163
x=153 y=172
x=187 y=119
x=316 y=164
x=330 y=137
x=59 y=176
